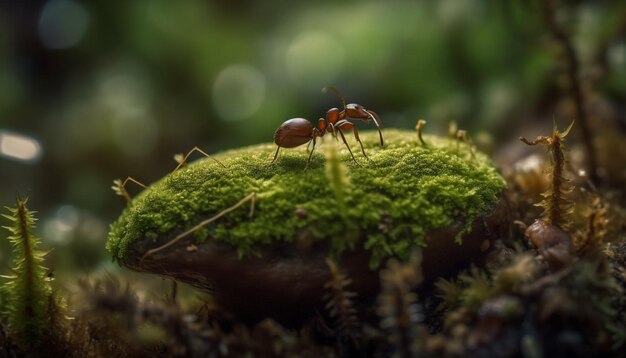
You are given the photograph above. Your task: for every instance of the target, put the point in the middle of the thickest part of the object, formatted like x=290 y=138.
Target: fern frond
x=555 y=204
x=595 y=228
x=520 y=271
x=398 y=304
x=339 y=303
x=108 y=296
x=450 y=292
x=477 y=289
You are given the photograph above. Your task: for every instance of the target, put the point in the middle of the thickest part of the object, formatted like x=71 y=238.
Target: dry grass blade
x=119 y=187
x=182 y=160
x=251 y=197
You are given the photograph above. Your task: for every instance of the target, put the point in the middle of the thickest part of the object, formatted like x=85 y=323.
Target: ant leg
x=345 y=124
x=376 y=120
x=346 y=143
x=183 y=161
x=275 y=155
x=119 y=187
x=333 y=130
x=310 y=154
x=356 y=136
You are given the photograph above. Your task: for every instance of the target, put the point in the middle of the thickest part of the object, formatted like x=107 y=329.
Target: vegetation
x=555 y=204
x=419 y=188
x=467 y=245
x=27 y=291
x=516 y=301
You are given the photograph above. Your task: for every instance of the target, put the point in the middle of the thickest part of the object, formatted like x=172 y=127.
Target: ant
x=297 y=131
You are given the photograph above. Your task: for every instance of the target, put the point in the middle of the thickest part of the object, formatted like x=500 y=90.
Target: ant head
x=321 y=124
x=354 y=110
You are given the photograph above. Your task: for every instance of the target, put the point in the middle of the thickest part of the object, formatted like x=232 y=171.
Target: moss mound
x=392 y=200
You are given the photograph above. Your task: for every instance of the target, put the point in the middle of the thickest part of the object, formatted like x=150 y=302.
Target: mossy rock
x=406 y=196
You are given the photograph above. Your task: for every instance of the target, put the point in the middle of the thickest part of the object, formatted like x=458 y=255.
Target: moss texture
x=392 y=200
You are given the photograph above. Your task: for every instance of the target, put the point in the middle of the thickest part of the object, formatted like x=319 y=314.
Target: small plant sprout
x=453 y=128
x=461 y=136
x=548 y=234
x=119 y=187
x=555 y=204
x=182 y=159
x=28 y=289
x=420 y=124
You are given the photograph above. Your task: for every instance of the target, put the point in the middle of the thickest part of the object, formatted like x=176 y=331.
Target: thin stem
x=29 y=273
x=251 y=196
x=573 y=69
x=420 y=124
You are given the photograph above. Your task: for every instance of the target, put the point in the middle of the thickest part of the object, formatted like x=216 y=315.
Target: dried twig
x=573 y=73
x=182 y=160
x=251 y=197
x=119 y=187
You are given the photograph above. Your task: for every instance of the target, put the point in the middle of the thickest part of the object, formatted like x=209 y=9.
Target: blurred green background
x=91 y=91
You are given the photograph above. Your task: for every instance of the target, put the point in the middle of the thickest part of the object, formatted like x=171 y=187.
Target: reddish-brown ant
x=297 y=131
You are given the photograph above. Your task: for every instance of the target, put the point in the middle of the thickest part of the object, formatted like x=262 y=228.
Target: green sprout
x=27 y=291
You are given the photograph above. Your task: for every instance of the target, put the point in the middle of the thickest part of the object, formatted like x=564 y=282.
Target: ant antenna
x=374 y=116
x=336 y=92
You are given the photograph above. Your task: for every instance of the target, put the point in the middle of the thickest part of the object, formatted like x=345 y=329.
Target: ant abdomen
x=293 y=133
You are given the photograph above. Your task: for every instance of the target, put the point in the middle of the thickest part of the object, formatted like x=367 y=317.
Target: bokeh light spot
x=127 y=97
x=61 y=227
x=125 y=93
x=314 y=59
x=238 y=92
x=136 y=135
x=19 y=147
x=617 y=56
x=62 y=24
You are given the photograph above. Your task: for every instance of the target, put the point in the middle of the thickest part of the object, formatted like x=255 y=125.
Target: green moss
x=404 y=191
